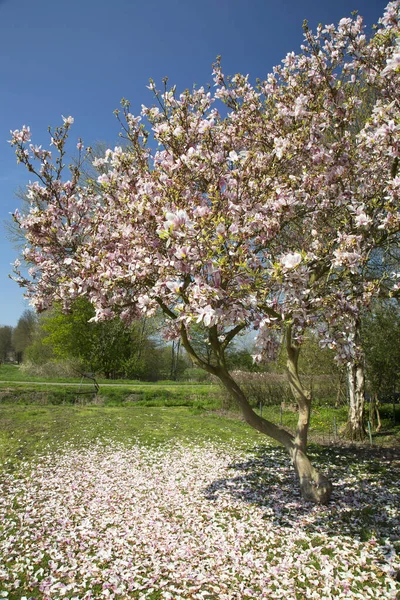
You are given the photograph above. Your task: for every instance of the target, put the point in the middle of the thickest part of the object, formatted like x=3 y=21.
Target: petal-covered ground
x=178 y=521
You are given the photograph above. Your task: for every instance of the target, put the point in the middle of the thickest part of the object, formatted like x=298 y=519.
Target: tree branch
x=192 y=353
x=170 y=313
x=231 y=334
x=395 y=165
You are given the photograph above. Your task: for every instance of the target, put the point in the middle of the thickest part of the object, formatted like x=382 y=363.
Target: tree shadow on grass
x=366 y=490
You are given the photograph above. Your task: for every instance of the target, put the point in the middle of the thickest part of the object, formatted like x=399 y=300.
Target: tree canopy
x=264 y=214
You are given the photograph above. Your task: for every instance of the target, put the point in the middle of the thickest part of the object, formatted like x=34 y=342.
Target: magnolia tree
x=264 y=215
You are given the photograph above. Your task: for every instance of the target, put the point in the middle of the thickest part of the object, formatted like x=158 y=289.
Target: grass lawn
x=325 y=426
x=180 y=503
x=27 y=431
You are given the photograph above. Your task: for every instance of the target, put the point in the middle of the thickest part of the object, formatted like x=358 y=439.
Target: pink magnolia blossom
x=207 y=316
x=20 y=136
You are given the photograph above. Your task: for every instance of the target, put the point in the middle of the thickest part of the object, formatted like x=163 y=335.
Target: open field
x=177 y=503
x=325 y=425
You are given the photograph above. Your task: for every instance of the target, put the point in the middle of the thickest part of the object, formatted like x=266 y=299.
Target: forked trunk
x=378 y=415
x=374 y=416
x=314 y=486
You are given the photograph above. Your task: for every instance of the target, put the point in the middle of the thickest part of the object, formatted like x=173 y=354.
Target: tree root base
x=316 y=489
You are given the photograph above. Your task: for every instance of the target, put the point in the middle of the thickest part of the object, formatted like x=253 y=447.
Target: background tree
x=381 y=335
x=111 y=347
x=6 y=346
x=175 y=356
x=23 y=333
x=240 y=357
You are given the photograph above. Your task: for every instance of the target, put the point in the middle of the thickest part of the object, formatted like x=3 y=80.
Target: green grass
x=202 y=397
x=26 y=431
x=326 y=422
x=323 y=419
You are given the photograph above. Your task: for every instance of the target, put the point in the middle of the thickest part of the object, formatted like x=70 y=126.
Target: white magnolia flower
x=290 y=260
x=67 y=120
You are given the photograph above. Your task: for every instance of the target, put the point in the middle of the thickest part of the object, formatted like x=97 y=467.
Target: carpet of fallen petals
x=184 y=522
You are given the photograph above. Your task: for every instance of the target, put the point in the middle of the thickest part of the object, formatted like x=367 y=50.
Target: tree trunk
x=378 y=416
x=354 y=429
x=374 y=415
x=175 y=349
x=302 y=396
x=314 y=486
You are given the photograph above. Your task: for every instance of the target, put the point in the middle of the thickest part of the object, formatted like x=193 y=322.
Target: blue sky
x=79 y=58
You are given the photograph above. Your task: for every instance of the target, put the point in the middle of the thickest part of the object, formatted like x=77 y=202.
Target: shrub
x=53 y=368
x=267 y=389
x=195 y=374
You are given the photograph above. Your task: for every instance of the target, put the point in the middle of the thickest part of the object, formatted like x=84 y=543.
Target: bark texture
x=314 y=486
x=355 y=429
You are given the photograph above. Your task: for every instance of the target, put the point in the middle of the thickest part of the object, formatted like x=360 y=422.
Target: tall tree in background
x=23 y=333
x=109 y=347
x=380 y=337
x=6 y=346
x=265 y=218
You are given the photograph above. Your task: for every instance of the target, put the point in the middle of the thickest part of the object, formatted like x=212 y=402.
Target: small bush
x=196 y=375
x=268 y=389
x=26 y=396
x=272 y=389
x=53 y=369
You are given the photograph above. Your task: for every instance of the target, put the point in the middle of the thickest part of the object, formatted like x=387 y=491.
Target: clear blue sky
x=80 y=57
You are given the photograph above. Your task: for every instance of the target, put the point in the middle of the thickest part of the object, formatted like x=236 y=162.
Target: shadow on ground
x=366 y=490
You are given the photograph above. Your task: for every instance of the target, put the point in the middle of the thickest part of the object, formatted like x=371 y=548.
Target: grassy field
x=18 y=388
x=325 y=426
x=27 y=431
x=182 y=503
